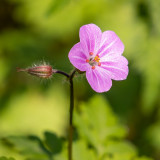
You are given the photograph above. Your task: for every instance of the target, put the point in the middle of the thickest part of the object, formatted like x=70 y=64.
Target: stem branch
x=61 y=72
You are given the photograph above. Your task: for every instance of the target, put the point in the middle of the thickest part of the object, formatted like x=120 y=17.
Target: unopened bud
x=42 y=71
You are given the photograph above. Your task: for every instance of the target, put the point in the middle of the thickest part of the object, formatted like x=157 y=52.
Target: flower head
x=100 y=55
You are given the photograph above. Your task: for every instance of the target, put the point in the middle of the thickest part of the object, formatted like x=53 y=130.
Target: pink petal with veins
x=110 y=43
x=90 y=38
x=98 y=79
x=116 y=66
x=78 y=58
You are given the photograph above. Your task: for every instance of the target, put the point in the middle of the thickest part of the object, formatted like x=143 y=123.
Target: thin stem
x=70 y=137
x=61 y=72
x=71 y=115
x=70 y=121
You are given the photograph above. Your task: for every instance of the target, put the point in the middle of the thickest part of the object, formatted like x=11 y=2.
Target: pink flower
x=100 y=55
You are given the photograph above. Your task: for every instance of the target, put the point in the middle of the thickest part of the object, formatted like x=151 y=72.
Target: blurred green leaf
x=82 y=151
x=53 y=142
x=97 y=123
x=120 y=150
x=25 y=146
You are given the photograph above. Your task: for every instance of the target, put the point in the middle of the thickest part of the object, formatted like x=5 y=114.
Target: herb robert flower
x=100 y=56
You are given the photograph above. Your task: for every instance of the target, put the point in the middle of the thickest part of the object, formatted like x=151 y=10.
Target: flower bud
x=42 y=71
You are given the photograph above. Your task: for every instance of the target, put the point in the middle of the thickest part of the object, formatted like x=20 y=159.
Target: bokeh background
x=38 y=31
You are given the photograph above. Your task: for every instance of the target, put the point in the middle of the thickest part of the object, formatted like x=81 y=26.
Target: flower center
x=93 y=61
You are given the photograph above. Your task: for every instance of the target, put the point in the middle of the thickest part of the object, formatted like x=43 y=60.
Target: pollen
x=96 y=58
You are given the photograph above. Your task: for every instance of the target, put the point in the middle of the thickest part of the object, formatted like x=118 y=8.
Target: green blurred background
x=34 y=31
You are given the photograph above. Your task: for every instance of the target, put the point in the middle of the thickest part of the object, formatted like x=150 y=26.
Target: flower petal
x=116 y=67
x=98 y=79
x=77 y=57
x=110 y=43
x=90 y=38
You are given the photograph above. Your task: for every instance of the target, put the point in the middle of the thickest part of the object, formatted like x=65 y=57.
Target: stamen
x=91 y=53
x=93 y=60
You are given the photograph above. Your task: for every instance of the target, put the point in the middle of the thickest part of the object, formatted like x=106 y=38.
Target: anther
x=87 y=60
x=96 y=58
x=93 y=67
x=91 y=53
x=99 y=64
